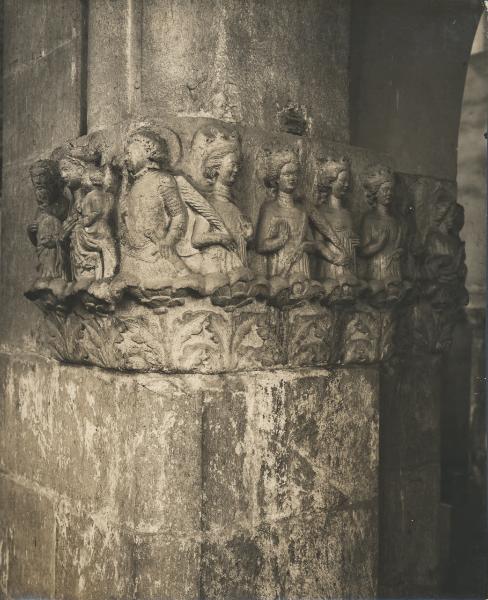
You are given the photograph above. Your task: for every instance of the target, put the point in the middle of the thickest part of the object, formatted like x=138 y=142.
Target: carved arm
x=271 y=238
x=369 y=246
x=203 y=237
x=176 y=211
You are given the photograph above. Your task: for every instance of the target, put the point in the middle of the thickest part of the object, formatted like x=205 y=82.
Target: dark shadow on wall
x=463 y=418
x=463 y=462
x=408 y=66
x=409 y=60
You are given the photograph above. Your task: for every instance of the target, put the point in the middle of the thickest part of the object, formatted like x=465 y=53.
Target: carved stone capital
x=190 y=245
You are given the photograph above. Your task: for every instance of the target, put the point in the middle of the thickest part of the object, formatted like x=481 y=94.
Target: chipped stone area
x=187 y=486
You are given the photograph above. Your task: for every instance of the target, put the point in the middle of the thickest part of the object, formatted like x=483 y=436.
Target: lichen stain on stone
x=5 y=560
x=90 y=544
x=34 y=408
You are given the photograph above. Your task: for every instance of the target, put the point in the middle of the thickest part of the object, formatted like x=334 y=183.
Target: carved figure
x=89 y=225
x=220 y=232
x=383 y=237
x=334 y=232
x=444 y=264
x=283 y=231
x=154 y=217
x=46 y=231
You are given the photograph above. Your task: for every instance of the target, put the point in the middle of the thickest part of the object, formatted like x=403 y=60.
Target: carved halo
x=173 y=141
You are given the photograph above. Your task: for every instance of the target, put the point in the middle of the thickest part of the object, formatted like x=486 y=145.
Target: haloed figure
x=98 y=242
x=155 y=217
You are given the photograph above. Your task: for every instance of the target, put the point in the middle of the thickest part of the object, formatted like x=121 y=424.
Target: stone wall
x=42 y=96
x=464 y=413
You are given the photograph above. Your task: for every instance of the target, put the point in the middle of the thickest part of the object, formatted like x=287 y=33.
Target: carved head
x=45 y=176
x=333 y=177
x=145 y=147
x=72 y=170
x=94 y=176
x=379 y=183
x=222 y=160
x=282 y=171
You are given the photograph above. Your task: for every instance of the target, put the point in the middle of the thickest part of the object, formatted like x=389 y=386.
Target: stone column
x=164 y=435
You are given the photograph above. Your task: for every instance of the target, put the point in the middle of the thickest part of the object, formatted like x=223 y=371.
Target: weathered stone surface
x=21 y=330
x=167 y=460
x=282 y=455
x=42 y=60
x=93 y=556
x=114 y=54
x=167 y=567
x=410 y=478
x=471 y=170
x=147 y=467
x=27 y=546
x=410 y=515
x=69 y=431
x=410 y=409
x=421 y=141
x=315 y=556
x=206 y=65
x=288 y=445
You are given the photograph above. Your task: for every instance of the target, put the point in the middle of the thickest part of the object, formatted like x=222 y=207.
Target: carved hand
x=69 y=224
x=283 y=231
x=343 y=260
x=247 y=228
x=165 y=250
x=227 y=241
